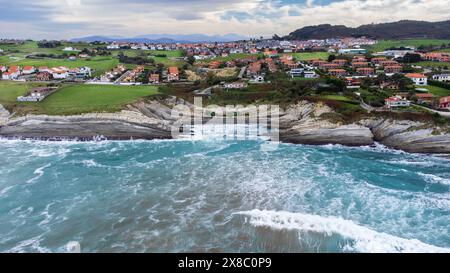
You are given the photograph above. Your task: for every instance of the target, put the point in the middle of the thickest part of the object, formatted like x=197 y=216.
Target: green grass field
x=73 y=99
x=9 y=91
x=77 y=99
x=438 y=91
x=306 y=56
x=433 y=64
x=385 y=44
x=337 y=97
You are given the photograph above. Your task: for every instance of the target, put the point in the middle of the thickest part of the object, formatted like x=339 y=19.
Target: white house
x=113 y=46
x=257 y=79
x=69 y=48
x=60 y=72
x=296 y=72
x=442 y=77
x=235 y=85
x=393 y=102
x=310 y=74
x=10 y=75
x=417 y=78
x=27 y=70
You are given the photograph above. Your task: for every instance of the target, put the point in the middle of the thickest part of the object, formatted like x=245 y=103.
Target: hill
x=397 y=30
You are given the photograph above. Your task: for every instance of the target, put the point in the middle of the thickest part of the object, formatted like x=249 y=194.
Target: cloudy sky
x=61 y=19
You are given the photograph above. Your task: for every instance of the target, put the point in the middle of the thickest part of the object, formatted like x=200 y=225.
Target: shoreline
x=302 y=123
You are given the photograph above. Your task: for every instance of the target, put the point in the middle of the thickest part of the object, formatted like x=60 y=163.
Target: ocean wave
x=431 y=178
x=39 y=173
x=355 y=238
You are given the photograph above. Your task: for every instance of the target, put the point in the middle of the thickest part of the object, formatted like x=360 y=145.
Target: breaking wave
x=351 y=236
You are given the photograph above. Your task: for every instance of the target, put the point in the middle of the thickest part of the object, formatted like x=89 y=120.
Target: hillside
x=396 y=30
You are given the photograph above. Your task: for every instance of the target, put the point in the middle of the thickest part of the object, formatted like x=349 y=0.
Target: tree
x=331 y=58
x=411 y=58
x=191 y=60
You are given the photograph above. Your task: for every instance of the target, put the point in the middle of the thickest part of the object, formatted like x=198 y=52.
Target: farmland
x=386 y=44
x=73 y=99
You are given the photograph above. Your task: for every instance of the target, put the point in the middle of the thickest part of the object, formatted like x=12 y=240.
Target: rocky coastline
x=302 y=123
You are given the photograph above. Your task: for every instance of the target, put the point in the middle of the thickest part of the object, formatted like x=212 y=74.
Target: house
x=69 y=48
x=378 y=60
x=418 y=78
x=44 y=69
x=352 y=51
x=340 y=62
x=28 y=70
x=12 y=73
x=153 y=78
x=394 y=69
x=389 y=86
x=173 y=74
x=444 y=103
x=353 y=83
x=3 y=68
x=424 y=97
x=318 y=63
x=310 y=74
x=254 y=69
x=44 y=76
x=296 y=72
x=396 y=101
x=337 y=72
x=360 y=64
x=257 y=79
x=437 y=57
x=388 y=63
x=60 y=72
x=329 y=66
x=236 y=85
x=365 y=71
x=441 y=77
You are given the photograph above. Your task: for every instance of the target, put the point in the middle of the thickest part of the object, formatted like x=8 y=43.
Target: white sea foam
x=360 y=238
x=39 y=172
x=431 y=178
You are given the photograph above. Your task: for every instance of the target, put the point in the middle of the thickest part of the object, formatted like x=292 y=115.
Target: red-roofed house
x=365 y=71
x=340 y=62
x=418 y=78
x=28 y=70
x=424 y=97
x=173 y=74
x=337 y=72
x=154 y=78
x=396 y=102
x=394 y=69
x=444 y=103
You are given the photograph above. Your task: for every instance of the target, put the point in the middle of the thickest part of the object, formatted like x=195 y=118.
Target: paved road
x=241 y=73
x=444 y=114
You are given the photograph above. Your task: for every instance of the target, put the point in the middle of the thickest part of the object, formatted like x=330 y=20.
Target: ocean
x=220 y=196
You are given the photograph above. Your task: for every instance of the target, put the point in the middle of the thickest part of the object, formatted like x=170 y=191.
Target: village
x=399 y=76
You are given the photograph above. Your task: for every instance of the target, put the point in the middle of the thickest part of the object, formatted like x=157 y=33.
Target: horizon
x=69 y=19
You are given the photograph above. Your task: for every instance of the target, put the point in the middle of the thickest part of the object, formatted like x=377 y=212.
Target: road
x=444 y=114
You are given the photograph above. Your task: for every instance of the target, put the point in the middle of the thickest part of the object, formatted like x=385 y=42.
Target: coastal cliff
x=302 y=123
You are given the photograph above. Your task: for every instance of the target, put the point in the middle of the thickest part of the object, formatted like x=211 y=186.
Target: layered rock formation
x=302 y=123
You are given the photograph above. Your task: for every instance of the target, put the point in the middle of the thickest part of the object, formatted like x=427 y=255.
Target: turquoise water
x=220 y=196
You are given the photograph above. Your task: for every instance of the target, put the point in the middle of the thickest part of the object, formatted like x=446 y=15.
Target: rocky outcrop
x=124 y=125
x=4 y=115
x=410 y=136
x=303 y=124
